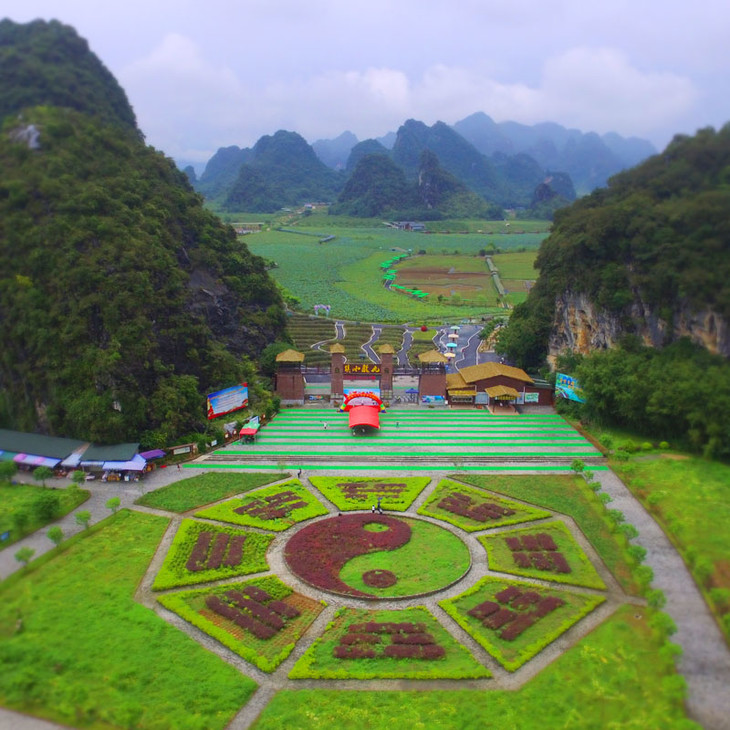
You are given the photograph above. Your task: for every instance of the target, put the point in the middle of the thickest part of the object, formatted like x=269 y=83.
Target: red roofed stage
x=364 y=417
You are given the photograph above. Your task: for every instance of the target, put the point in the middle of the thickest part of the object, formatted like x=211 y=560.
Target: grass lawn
x=190 y=493
x=24 y=499
x=265 y=653
x=503 y=559
x=88 y=656
x=273 y=508
x=690 y=497
x=319 y=662
x=181 y=569
x=463 y=507
x=616 y=677
x=356 y=493
x=571 y=496
x=512 y=654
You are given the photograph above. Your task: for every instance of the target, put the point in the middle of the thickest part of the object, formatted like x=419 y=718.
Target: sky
x=205 y=75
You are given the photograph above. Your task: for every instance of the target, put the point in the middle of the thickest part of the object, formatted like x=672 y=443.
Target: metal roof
x=117 y=452
x=52 y=447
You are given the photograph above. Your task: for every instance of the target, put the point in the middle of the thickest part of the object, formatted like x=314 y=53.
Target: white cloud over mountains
x=189 y=105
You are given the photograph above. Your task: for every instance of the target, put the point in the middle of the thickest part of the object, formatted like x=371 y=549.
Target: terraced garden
x=291 y=624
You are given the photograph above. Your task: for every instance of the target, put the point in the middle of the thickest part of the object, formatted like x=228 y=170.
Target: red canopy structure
x=364 y=417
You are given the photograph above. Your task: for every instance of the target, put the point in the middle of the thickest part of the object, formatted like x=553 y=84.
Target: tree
x=55 y=535
x=8 y=470
x=78 y=477
x=83 y=518
x=113 y=504
x=24 y=555
x=41 y=473
x=46 y=506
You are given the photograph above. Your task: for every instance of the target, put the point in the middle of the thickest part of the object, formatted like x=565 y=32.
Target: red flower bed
x=219 y=548
x=546 y=541
x=379 y=578
x=361 y=639
x=235 y=551
x=358 y=491
x=463 y=505
x=508 y=594
x=283 y=609
x=412 y=639
x=550 y=559
x=560 y=563
x=525 y=608
x=524 y=600
x=273 y=507
x=199 y=555
x=317 y=553
x=548 y=604
x=405 y=651
x=244 y=620
x=517 y=626
x=407 y=640
x=483 y=610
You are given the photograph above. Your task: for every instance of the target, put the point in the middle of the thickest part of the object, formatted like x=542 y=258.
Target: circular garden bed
x=377 y=556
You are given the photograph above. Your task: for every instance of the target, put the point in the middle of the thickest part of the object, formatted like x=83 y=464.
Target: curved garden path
x=705 y=663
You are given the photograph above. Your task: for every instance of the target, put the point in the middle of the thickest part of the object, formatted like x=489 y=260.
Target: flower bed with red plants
x=377 y=556
x=473 y=509
x=203 y=552
x=317 y=553
x=271 y=508
x=260 y=620
x=356 y=494
x=549 y=552
x=409 y=643
x=513 y=621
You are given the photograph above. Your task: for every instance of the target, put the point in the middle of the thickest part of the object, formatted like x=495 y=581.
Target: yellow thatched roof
x=337 y=348
x=502 y=392
x=290 y=356
x=386 y=349
x=487 y=370
x=432 y=356
x=454 y=380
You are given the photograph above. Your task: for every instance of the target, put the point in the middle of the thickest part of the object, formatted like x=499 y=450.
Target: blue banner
x=568 y=387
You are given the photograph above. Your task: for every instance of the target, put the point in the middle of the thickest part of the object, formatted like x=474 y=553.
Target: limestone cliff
x=581 y=326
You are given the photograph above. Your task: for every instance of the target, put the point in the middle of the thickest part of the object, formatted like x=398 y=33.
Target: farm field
x=344 y=272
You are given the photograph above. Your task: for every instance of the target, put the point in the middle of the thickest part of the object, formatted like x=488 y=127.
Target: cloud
x=189 y=106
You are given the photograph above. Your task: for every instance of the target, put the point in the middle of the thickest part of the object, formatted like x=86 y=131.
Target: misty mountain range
x=503 y=163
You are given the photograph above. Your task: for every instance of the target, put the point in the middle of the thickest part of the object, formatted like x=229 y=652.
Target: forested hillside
x=47 y=63
x=649 y=253
x=644 y=262
x=122 y=300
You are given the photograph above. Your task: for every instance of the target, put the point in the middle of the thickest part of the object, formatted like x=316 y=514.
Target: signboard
x=361 y=396
x=532 y=397
x=366 y=368
x=182 y=450
x=227 y=400
x=568 y=387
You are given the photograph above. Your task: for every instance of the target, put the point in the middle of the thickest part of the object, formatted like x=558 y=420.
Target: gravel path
x=705 y=662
